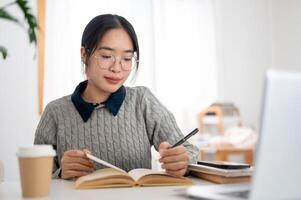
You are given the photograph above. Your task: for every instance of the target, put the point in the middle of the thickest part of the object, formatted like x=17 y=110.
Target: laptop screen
x=278 y=159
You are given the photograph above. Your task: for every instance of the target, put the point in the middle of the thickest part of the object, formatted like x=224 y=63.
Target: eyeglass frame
x=133 y=65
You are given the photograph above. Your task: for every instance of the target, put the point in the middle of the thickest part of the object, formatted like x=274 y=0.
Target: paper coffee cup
x=35 y=165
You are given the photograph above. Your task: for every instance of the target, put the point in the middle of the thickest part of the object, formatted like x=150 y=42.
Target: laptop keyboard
x=242 y=194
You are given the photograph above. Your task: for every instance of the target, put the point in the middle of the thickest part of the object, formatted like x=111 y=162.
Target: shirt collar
x=85 y=109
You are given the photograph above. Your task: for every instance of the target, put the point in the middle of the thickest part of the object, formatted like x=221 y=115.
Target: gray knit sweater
x=123 y=140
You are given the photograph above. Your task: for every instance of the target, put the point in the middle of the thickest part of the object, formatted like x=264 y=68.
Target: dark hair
x=99 y=25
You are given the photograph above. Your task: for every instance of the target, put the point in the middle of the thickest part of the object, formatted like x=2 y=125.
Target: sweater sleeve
x=46 y=134
x=161 y=125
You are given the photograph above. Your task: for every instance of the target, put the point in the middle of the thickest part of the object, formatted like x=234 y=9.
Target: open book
x=116 y=177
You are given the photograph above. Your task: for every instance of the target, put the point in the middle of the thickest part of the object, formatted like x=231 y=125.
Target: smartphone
x=224 y=164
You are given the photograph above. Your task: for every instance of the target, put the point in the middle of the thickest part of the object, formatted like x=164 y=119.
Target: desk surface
x=62 y=189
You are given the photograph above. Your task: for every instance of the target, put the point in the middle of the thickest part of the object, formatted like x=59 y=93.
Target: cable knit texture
x=123 y=140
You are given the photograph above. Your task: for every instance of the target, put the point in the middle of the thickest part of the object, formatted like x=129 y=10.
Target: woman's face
x=105 y=67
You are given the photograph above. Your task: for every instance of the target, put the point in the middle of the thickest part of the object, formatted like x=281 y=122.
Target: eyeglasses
x=106 y=61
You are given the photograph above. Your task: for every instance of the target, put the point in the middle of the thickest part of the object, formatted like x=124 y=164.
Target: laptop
x=277 y=172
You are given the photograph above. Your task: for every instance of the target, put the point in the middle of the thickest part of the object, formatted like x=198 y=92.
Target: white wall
x=19 y=93
x=285 y=17
x=242 y=53
x=252 y=36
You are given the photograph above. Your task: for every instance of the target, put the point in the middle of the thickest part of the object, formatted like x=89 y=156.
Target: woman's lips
x=112 y=80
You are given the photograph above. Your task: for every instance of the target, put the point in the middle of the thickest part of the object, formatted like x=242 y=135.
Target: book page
x=148 y=177
x=102 y=173
x=136 y=174
x=102 y=177
x=104 y=163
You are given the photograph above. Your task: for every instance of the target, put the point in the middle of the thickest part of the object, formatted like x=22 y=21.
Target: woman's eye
x=127 y=59
x=106 y=57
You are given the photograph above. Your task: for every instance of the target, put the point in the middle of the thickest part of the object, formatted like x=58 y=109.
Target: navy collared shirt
x=85 y=109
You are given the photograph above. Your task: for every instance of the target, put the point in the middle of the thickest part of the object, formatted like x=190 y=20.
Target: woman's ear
x=83 y=54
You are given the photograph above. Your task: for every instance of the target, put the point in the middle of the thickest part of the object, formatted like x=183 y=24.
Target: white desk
x=62 y=189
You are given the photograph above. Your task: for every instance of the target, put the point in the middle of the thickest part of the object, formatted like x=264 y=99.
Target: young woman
x=115 y=123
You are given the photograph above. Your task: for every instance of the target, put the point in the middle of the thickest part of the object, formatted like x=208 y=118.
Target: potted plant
x=31 y=24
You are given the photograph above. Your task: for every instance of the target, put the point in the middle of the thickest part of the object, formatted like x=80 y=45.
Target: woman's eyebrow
x=106 y=48
x=111 y=49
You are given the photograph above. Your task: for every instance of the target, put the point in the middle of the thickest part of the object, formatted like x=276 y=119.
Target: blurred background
x=193 y=53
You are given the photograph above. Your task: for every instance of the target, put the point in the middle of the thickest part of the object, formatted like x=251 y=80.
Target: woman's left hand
x=174 y=160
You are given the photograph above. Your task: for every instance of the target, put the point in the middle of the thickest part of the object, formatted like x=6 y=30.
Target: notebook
x=222 y=172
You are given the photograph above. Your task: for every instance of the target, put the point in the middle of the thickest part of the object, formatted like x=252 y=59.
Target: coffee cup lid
x=36 y=151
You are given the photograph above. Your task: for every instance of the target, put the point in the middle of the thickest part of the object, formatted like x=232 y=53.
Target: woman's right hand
x=75 y=164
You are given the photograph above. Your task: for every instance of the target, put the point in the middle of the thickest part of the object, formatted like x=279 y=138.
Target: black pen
x=185 y=138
